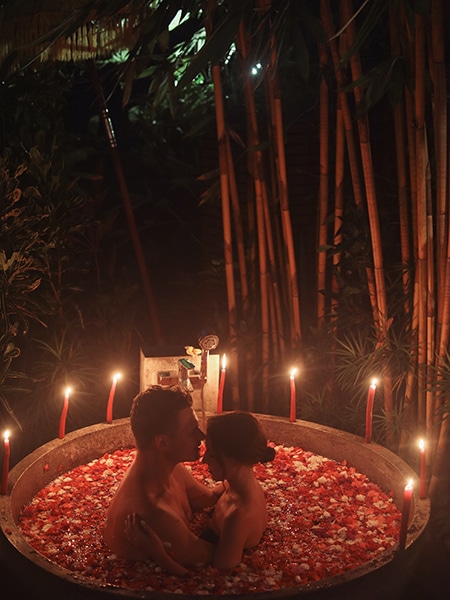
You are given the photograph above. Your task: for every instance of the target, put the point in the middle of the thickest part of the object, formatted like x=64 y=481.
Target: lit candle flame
x=421 y=445
x=374 y=382
x=409 y=485
x=116 y=377
x=224 y=362
x=6 y=435
x=293 y=373
x=68 y=391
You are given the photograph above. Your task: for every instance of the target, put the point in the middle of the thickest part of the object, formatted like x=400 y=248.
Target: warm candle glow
x=423 y=470
x=407 y=496
x=222 y=384
x=112 y=391
x=293 y=396
x=65 y=408
x=369 y=409
x=5 y=469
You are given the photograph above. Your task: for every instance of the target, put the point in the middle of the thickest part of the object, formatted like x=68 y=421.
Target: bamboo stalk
x=402 y=176
x=431 y=309
x=410 y=412
x=327 y=22
x=251 y=360
x=278 y=344
x=338 y=204
x=323 y=191
x=367 y=165
x=440 y=463
x=239 y=230
x=273 y=86
x=439 y=106
x=372 y=209
x=422 y=245
x=258 y=179
x=226 y=210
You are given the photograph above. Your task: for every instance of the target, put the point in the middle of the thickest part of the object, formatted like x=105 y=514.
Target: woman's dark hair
x=155 y=411
x=238 y=435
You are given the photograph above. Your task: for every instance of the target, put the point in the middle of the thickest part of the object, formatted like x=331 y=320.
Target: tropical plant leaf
x=215 y=48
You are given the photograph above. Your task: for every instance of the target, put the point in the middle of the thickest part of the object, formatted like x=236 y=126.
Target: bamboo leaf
x=214 y=50
x=371 y=21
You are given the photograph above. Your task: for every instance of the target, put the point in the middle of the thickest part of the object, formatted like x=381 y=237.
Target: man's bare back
x=166 y=510
x=158 y=487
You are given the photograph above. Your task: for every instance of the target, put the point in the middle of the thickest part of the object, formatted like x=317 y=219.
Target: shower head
x=207 y=339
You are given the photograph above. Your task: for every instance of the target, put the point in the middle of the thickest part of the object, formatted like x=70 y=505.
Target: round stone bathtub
x=36 y=577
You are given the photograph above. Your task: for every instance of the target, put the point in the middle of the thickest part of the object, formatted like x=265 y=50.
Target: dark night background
x=181 y=236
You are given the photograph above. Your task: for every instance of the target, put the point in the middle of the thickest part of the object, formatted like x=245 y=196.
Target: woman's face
x=214 y=462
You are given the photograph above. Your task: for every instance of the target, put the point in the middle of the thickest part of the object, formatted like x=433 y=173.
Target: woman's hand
x=217 y=491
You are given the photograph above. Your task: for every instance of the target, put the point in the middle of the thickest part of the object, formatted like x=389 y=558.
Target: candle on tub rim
x=369 y=409
x=112 y=391
x=223 y=373
x=65 y=408
x=5 y=471
x=293 y=396
x=407 y=496
x=423 y=470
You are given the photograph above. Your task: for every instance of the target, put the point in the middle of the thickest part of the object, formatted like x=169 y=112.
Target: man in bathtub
x=158 y=487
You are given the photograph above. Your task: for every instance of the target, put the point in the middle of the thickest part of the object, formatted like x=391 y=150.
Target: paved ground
x=431 y=580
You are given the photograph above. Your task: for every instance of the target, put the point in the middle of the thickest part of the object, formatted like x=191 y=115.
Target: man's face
x=185 y=442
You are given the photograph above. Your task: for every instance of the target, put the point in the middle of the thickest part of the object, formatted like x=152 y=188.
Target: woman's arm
x=233 y=537
x=199 y=495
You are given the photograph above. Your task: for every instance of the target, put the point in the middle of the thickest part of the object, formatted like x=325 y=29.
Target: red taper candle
x=109 y=406
x=407 y=496
x=5 y=471
x=293 y=397
x=65 y=408
x=223 y=372
x=369 y=409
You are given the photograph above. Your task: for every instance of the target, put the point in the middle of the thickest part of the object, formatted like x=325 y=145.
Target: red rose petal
x=324 y=518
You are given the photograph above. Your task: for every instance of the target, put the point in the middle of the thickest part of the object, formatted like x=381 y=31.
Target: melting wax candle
x=222 y=384
x=407 y=496
x=369 y=409
x=293 y=397
x=65 y=408
x=423 y=470
x=109 y=406
x=5 y=471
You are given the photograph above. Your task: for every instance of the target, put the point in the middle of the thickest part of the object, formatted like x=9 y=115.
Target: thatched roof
x=36 y=31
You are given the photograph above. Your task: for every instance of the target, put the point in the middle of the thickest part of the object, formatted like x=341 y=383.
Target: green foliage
x=21 y=272
x=40 y=217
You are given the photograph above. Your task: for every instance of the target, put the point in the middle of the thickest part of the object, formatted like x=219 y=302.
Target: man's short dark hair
x=155 y=411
